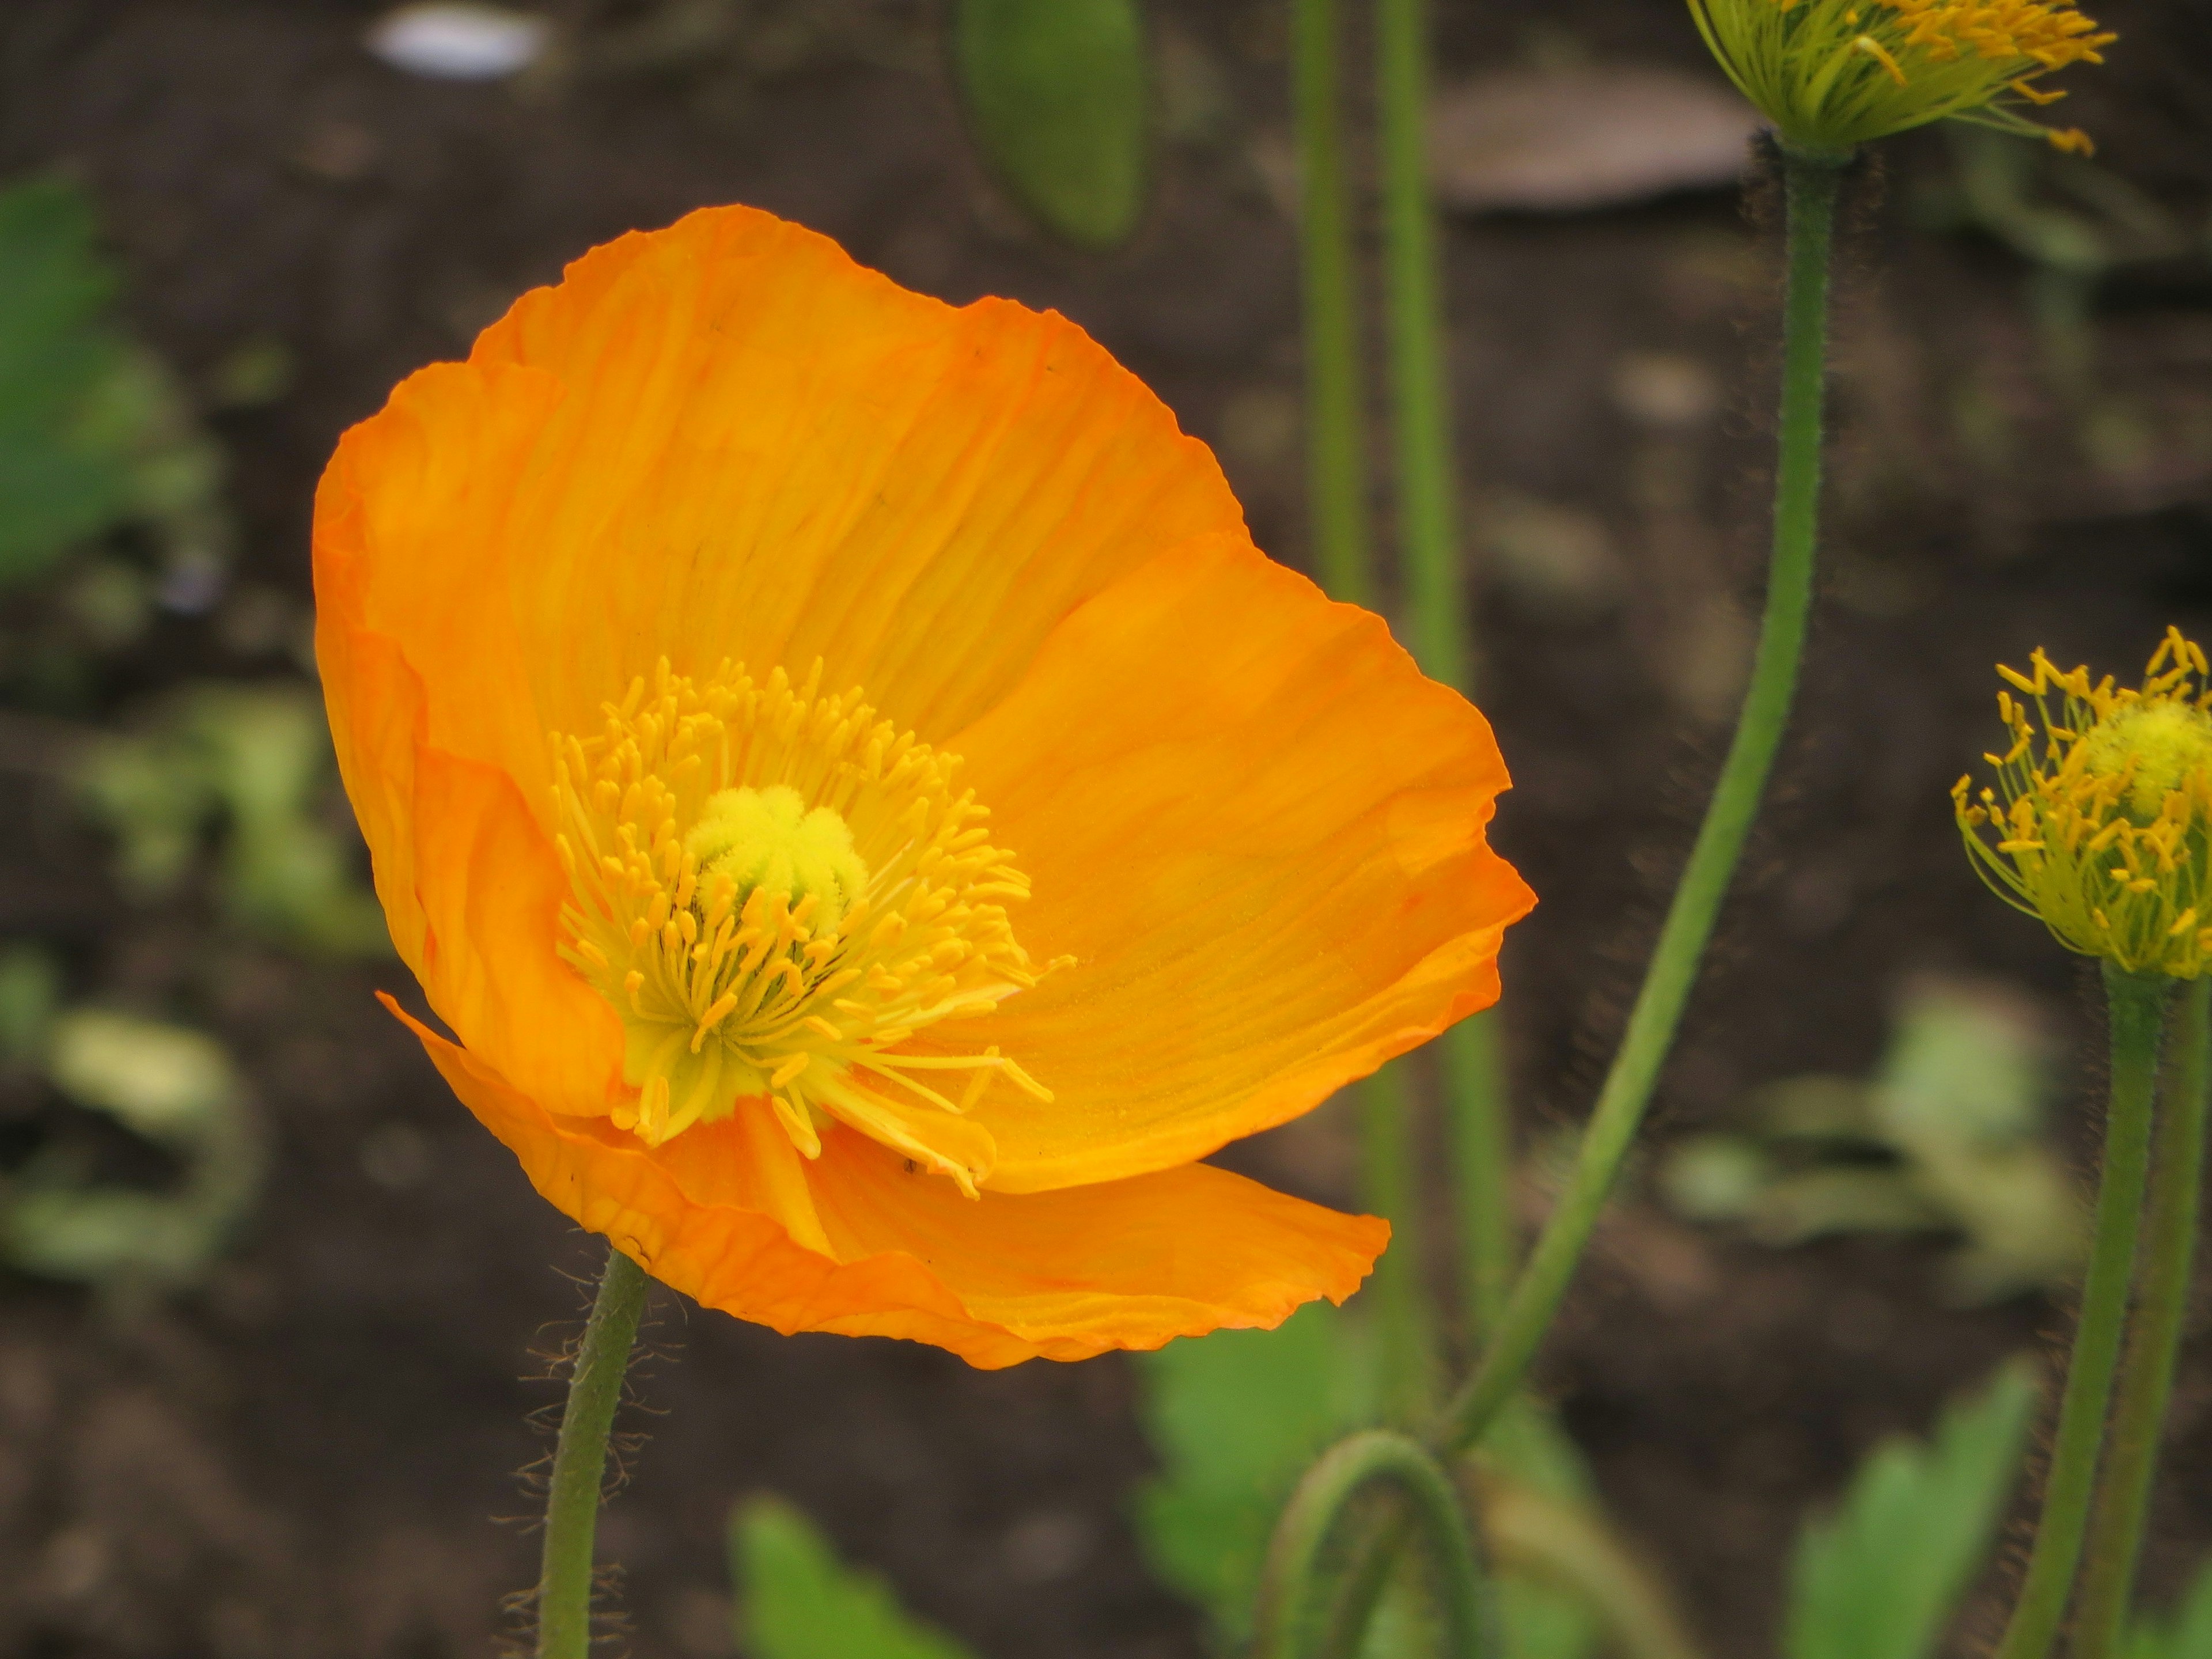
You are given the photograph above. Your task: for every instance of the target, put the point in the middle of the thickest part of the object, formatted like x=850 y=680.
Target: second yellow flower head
x=2101 y=821
x=1831 y=75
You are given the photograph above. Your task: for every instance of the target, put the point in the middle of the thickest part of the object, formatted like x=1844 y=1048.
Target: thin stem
x=2146 y=1381
x=2137 y=1006
x=1471 y=1065
x=1315 y=1513
x=580 y=1461
x=1336 y=470
x=1419 y=353
x=1476 y=1120
x=1336 y=460
x=1811 y=185
x=1389 y=1186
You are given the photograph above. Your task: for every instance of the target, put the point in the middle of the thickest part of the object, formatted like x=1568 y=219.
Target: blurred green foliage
x=1057 y=94
x=797 y=1601
x=1236 y=1418
x=1948 y=1136
x=93 y=429
x=174 y=1087
x=1881 y=1577
x=251 y=765
x=2185 y=1633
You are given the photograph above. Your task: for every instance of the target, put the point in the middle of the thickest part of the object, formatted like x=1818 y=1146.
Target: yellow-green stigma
x=1831 y=75
x=767 y=838
x=2155 y=746
x=2104 y=829
x=780 y=893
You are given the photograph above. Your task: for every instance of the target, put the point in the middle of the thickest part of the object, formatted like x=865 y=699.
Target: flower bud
x=1831 y=75
x=2101 y=819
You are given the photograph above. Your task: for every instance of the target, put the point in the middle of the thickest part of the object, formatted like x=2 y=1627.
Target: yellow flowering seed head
x=2100 y=821
x=1831 y=75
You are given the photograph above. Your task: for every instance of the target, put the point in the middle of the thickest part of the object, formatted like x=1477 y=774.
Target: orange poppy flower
x=909 y=1009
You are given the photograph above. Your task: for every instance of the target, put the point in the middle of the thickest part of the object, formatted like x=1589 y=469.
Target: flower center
x=781 y=894
x=2157 y=744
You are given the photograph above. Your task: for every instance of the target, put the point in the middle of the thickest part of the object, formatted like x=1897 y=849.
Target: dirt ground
x=313 y=1456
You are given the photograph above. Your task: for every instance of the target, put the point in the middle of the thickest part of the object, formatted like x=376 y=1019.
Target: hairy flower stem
x=1470 y=1066
x=1811 y=184
x=1316 y=1512
x=580 y=1461
x=2161 y=1300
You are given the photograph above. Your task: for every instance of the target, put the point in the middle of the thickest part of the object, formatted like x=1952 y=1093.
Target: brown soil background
x=307 y=1458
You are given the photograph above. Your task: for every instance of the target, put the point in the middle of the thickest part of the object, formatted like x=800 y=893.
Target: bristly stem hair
x=580 y=1461
x=2168 y=1253
x=2136 y=1004
x=1812 y=183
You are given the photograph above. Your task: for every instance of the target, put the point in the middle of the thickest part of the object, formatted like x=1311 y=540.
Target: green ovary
x=2166 y=742
x=767 y=838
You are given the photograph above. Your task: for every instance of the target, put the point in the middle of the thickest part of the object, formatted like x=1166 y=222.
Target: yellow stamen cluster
x=778 y=891
x=2105 y=830
x=1831 y=75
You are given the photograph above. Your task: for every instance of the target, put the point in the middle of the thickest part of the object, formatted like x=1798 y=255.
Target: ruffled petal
x=725 y=439
x=997 y=1280
x=1261 y=833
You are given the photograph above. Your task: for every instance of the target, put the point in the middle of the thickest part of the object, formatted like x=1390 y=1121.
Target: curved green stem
x=2136 y=1004
x=2146 y=1380
x=1316 y=1511
x=580 y=1461
x=1811 y=184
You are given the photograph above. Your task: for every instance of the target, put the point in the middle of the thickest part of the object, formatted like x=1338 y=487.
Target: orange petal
x=727 y=440
x=997 y=1279
x=469 y=883
x=1260 y=833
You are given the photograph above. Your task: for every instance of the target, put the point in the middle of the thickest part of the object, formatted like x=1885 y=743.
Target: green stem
x=1389 y=1186
x=580 y=1461
x=1316 y=1511
x=2146 y=1380
x=1420 y=352
x=1476 y=1119
x=1474 y=1090
x=2136 y=1004
x=1336 y=460
x=1811 y=184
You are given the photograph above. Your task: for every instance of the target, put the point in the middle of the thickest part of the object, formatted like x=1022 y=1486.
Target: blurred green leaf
x=58 y=482
x=171 y=1086
x=1880 y=1577
x=1236 y=1417
x=95 y=429
x=1056 y=92
x=257 y=758
x=30 y=991
x=799 y=1602
x=1948 y=1136
x=2186 y=1634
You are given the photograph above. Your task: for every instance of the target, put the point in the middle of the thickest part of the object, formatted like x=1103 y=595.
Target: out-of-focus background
x=271 y=1295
